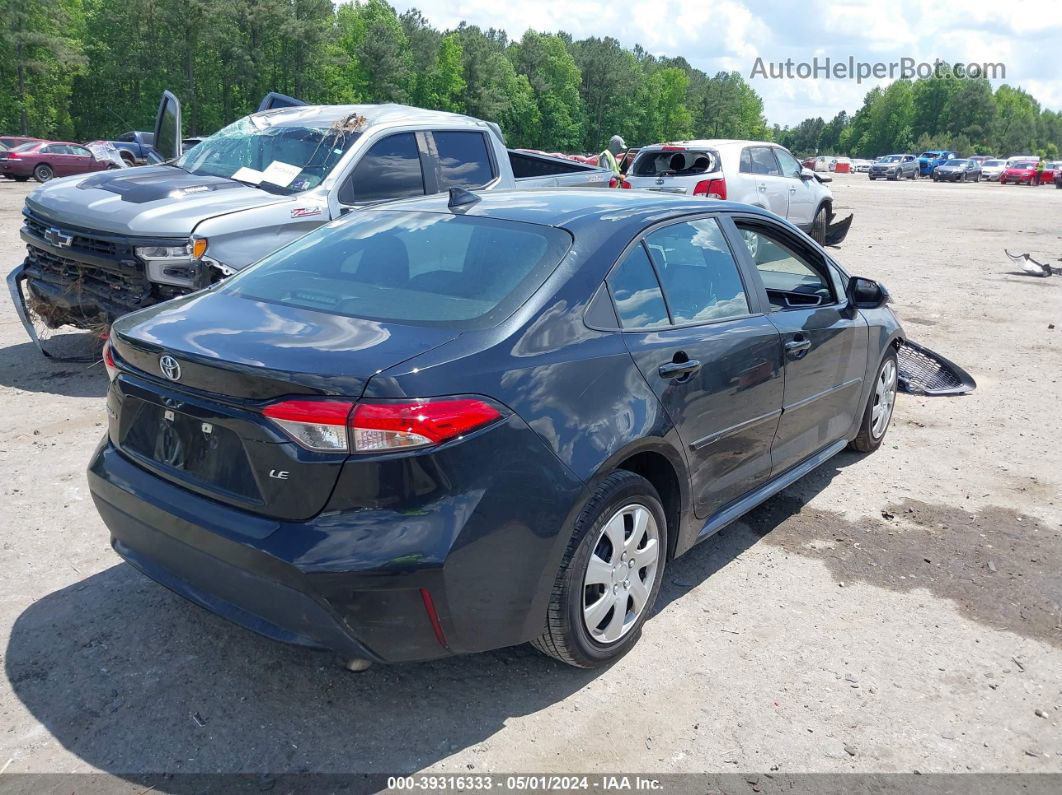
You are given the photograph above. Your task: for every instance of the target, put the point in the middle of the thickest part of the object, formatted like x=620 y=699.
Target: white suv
x=751 y=172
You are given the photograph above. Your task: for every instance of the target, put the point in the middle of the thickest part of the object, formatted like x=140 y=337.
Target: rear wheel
x=879 y=407
x=610 y=576
x=43 y=172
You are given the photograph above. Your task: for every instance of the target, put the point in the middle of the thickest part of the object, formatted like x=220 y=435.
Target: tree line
x=85 y=69
x=938 y=112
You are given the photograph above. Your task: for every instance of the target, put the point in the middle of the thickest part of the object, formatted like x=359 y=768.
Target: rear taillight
x=625 y=185
x=108 y=361
x=11 y=155
x=613 y=183
x=711 y=188
x=315 y=424
x=342 y=426
x=400 y=425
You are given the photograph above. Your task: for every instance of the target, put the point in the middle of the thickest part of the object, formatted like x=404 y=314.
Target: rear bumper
x=346 y=580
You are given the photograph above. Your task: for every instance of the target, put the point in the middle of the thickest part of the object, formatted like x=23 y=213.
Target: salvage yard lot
x=893 y=612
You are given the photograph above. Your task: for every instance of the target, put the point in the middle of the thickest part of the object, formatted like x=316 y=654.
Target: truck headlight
x=174 y=265
x=193 y=249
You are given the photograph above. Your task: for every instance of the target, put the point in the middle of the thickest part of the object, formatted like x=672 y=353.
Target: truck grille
x=93 y=245
x=81 y=281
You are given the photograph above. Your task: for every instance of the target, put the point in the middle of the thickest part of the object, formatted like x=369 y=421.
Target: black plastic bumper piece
x=924 y=372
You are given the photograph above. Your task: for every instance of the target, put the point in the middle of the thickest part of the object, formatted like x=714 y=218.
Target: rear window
x=463 y=160
x=673 y=164
x=410 y=267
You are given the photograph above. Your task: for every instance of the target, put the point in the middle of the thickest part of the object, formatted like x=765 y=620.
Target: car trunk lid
x=196 y=419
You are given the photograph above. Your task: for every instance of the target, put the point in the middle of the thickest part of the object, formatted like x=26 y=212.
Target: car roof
x=573 y=208
x=388 y=113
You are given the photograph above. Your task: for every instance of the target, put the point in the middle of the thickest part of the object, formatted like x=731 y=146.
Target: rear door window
x=746 y=161
x=636 y=292
x=389 y=170
x=698 y=272
x=763 y=162
x=464 y=160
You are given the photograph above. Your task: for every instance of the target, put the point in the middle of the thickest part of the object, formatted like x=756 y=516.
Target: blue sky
x=1024 y=35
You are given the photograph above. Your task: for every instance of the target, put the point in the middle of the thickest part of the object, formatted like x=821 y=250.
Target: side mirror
x=806 y=173
x=866 y=293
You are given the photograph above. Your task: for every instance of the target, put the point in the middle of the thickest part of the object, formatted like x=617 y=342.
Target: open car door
x=275 y=100
x=168 y=127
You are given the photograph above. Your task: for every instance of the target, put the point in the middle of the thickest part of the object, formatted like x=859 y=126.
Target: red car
x=1020 y=173
x=1051 y=170
x=43 y=160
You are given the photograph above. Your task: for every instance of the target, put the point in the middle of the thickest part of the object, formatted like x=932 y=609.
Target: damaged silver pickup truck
x=103 y=245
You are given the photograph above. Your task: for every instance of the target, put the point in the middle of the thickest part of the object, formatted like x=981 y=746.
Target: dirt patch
x=999 y=567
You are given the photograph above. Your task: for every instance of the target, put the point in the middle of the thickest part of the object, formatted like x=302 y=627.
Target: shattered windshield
x=280 y=158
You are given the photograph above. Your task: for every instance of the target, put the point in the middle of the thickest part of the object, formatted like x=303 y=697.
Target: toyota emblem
x=170 y=368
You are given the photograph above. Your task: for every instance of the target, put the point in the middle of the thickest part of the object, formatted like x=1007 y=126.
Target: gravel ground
x=889 y=613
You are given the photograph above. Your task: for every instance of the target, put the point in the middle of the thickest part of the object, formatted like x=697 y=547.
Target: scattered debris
x=199 y=720
x=1031 y=266
x=1040 y=713
x=849 y=749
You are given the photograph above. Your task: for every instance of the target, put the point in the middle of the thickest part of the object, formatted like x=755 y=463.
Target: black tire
x=565 y=636
x=43 y=172
x=128 y=158
x=818 y=225
x=866 y=441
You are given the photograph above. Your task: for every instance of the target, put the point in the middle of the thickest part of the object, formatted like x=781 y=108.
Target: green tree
x=40 y=51
x=554 y=78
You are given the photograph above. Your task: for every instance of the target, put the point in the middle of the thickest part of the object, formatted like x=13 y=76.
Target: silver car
x=894 y=167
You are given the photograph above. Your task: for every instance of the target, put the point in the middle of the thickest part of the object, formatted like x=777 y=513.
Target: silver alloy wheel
x=620 y=573
x=884 y=399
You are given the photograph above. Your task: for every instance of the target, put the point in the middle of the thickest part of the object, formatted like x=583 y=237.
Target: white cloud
x=1024 y=35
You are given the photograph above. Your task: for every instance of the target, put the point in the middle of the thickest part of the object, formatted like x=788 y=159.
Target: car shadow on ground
x=24 y=367
x=134 y=680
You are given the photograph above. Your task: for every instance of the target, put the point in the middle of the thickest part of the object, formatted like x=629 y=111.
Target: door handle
x=679 y=369
x=762 y=187
x=797 y=347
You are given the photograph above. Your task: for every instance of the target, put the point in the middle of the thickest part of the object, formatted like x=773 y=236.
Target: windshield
x=891 y=159
x=279 y=158
x=409 y=267
x=1024 y=164
x=26 y=147
x=930 y=155
x=956 y=163
x=678 y=164
x=992 y=163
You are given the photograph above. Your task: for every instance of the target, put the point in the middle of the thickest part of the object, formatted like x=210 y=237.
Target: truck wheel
x=128 y=158
x=43 y=173
x=879 y=408
x=610 y=576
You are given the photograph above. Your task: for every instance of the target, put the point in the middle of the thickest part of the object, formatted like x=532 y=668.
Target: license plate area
x=189 y=447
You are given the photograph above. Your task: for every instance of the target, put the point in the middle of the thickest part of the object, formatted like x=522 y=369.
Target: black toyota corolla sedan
x=452 y=424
